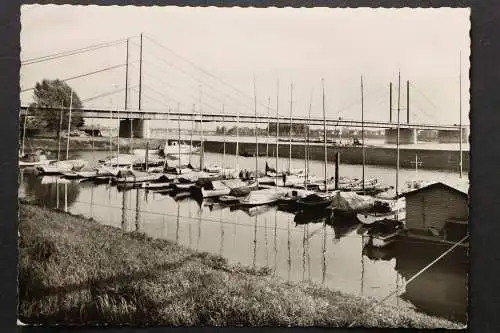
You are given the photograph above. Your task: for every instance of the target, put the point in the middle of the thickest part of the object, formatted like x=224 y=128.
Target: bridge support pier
x=453 y=136
x=406 y=136
x=140 y=128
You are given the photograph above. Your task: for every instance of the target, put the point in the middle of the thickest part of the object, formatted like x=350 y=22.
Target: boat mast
x=24 y=130
x=69 y=123
x=110 y=139
x=118 y=136
x=60 y=132
x=224 y=144
x=256 y=137
x=191 y=143
x=460 y=107
x=397 y=138
x=290 y=132
x=277 y=124
x=267 y=140
x=179 y=132
x=363 y=131
x=202 y=158
x=237 y=140
x=308 y=147
x=324 y=132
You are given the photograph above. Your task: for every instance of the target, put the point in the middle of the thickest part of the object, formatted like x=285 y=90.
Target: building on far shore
x=438 y=212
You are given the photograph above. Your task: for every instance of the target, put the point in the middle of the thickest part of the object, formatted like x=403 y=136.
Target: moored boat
x=350 y=203
x=175 y=148
x=261 y=197
x=33 y=160
x=316 y=200
x=133 y=176
x=384 y=232
x=383 y=210
x=289 y=200
x=59 y=167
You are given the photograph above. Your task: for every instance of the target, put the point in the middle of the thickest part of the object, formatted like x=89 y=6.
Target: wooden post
x=147 y=157
x=140 y=75
x=390 y=102
x=337 y=164
x=407 y=101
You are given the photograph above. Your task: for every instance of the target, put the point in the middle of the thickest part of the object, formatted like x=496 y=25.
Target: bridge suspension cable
x=158 y=79
x=108 y=93
x=72 y=52
x=193 y=77
x=84 y=75
x=424 y=96
x=204 y=71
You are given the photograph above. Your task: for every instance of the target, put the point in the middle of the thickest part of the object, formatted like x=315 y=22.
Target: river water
x=328 y=254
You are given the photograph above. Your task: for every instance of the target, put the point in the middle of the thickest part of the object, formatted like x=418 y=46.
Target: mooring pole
x=407 y=101
x=460 y=123
x=140 y=74
x=363 y=133
x=337 y=164
x=390 y=102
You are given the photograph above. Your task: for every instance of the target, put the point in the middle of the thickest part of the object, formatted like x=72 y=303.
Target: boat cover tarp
x=350 y=201
x=240 y=191
x=234 y=183
x=316 y=197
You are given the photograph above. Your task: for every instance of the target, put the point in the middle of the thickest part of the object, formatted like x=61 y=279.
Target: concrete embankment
x=74 y=271
x=384 y=156
x=428 y=159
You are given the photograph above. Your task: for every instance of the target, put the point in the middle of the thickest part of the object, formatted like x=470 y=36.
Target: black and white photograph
x=254 y=167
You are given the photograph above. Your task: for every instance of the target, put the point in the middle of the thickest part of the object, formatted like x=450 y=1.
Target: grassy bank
x=74 y=270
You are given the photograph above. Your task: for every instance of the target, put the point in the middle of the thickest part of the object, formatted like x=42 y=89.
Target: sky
x=223 y=57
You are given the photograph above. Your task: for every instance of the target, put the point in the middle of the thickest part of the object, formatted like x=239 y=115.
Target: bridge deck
x=232 y=118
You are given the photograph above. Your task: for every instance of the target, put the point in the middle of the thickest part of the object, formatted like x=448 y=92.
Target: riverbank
x=90 y=144
x=73 y=270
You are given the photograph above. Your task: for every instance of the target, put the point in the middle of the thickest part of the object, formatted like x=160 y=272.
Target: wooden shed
x=438 y=212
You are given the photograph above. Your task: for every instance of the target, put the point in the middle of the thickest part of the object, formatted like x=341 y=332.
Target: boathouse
x=437 y=212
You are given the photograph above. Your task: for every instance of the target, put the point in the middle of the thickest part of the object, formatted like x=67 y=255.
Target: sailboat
x=33 y=160
x=318 y=200
x=178 y=148
x=386 y=213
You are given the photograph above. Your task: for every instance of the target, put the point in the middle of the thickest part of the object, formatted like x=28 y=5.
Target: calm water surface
x=332 y=254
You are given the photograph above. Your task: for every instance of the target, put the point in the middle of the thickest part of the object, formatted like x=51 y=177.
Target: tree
x=54 y=94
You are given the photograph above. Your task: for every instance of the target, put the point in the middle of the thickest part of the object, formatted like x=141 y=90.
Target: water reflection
x=54 y=193
x=321 y=248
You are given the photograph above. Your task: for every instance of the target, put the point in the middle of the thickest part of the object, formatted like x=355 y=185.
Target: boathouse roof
x=462 y=188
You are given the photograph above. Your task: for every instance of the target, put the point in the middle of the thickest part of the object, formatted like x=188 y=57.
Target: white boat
x=395 y=210
x=222 y=187
x=181 y=187
x=54 y=180
x=161 y=185
x=133 y=176
x=33 y=160
x=59 y=167
x=174 y=148
x=213 y=168
x=261 y=197
x=218 y=189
